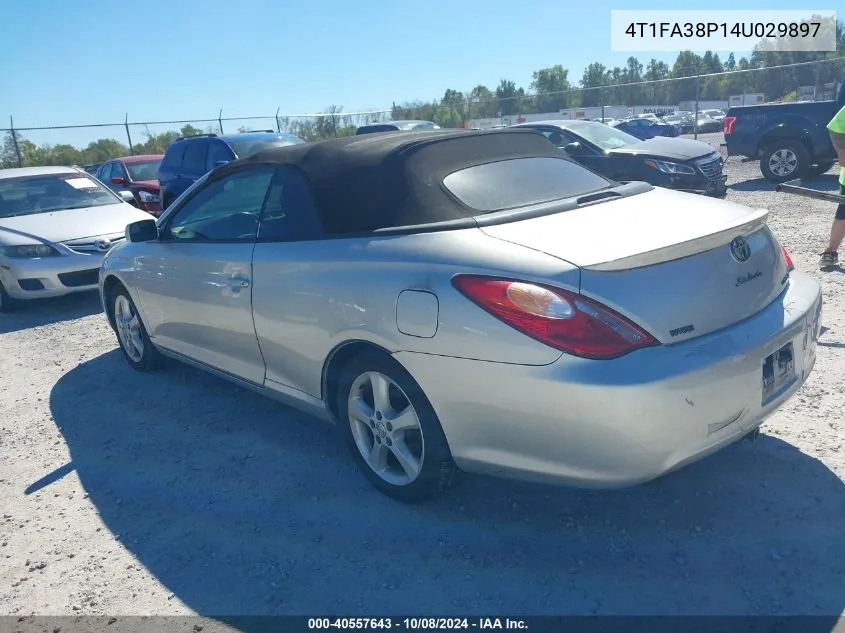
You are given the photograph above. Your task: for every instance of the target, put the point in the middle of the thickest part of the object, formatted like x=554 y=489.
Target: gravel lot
x=177 y=493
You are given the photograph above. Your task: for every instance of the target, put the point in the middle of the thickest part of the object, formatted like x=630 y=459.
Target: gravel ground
x=177 y=493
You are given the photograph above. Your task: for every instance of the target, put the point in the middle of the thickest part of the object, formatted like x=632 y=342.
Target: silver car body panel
x=509 y=405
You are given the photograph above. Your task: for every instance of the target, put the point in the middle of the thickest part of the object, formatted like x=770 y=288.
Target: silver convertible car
x=56 y=223
x=473 y=301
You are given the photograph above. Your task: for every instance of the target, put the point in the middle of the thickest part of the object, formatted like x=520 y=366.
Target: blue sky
x=85 y=62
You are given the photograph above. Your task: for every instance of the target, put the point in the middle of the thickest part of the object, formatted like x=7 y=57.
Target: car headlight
x=29 y=251
x=670 y=168
x=148 y=197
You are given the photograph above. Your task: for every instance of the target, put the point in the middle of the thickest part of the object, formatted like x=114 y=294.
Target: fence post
x=220 y=120
x=601 y=101
x=128 y=135
x=278 y=125
x=15 y=140
x=697 y=93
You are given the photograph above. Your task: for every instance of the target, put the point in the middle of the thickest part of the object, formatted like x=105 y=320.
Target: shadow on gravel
x=755 y=184
x=243 y=507
x=35 y=313
x=825 y=182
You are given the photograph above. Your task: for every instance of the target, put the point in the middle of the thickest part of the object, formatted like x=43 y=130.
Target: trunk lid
x=670 y=261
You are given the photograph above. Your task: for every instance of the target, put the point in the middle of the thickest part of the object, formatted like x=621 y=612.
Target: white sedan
x=56 y=224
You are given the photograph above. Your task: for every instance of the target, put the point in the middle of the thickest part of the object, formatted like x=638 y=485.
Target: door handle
x=239 y=282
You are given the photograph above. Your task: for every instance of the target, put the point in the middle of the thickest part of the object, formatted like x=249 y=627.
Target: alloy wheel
x=783 y=162
x=128 y=328
x=386 y=428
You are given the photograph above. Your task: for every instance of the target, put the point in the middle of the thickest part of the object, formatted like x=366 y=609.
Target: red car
x=138 y=174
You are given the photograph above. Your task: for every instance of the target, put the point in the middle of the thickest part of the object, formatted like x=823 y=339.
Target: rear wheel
x=392 y=430
x=131 y=333
x=784 y=160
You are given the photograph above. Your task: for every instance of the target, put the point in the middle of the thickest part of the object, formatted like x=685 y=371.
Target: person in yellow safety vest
x=836 y=129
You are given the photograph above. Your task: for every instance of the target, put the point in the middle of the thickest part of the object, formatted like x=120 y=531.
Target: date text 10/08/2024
x=723 y=29
x=417 y=623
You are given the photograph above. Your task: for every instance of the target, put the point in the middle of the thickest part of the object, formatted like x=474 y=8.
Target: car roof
x=397 y=123
x=565 y=124
x=140 y=158
x=375 y=182
x=18 y=172
x=251 y=136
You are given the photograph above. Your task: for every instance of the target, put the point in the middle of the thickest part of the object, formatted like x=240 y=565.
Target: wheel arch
x=784 y=133
x=337 y=358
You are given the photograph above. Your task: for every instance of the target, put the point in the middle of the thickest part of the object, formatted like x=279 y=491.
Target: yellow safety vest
x=837 y=124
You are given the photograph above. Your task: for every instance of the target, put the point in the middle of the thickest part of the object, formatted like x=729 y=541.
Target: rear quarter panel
x=311 y=297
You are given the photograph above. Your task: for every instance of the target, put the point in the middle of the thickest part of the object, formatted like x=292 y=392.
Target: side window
x=558 y=137
x=175 y=155
x=217 y=151
x=102 y=173
x=116 y=171
x=225 y=210
x=195 y=152
x=290 y=213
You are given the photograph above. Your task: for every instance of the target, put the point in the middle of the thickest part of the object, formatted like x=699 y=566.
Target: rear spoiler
x=795 y=187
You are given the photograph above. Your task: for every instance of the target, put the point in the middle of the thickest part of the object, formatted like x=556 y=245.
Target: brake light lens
x=788 y=259
x=561 y=319
x=728 y=124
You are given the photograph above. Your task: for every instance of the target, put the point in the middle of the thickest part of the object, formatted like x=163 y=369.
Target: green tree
x=594 y=76
x=508 y=98
x=550 y=86
x=482 y=103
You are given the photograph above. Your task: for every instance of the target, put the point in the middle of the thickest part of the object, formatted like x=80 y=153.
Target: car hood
x=665 y=147
x=150 y=185
x=72 y=224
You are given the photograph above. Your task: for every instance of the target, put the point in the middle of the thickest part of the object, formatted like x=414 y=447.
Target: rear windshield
x=521 y=182
x=243 y=149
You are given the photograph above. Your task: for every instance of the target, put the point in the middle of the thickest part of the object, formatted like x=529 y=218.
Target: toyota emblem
x=740 y=250
x=103 y=245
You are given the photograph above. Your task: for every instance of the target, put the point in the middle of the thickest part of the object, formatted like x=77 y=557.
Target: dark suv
x=189 y=158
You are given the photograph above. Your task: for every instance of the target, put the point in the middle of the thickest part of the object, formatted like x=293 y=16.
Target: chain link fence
x=614 y=99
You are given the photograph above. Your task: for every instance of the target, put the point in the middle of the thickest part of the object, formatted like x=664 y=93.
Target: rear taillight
x=728 y=124
x=564 y=320
x=788 y=259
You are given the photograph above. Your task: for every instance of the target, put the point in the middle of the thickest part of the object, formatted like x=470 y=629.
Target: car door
x=195 y=282
x=103 y=174
x=292 y=299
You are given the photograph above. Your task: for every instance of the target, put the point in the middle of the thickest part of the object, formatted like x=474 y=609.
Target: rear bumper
x=50 y=276
x=621 y=422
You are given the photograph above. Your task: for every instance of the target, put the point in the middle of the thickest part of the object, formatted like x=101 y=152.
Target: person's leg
x=830 y=257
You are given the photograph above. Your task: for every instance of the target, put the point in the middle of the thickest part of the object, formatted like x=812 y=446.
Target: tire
x=132 y=336
x=7 y=304
x=817 y=170
x=784 y=160
x=429 y=469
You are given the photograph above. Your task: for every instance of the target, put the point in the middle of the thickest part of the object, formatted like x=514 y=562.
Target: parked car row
x=454 y=300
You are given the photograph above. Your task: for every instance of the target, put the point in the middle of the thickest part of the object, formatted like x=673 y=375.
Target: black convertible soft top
x=383 y=181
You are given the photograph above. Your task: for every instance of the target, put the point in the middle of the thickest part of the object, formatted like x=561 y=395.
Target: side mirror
x=573 y=148
x=117 y=180
x=127 y=196
x=142 y=231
